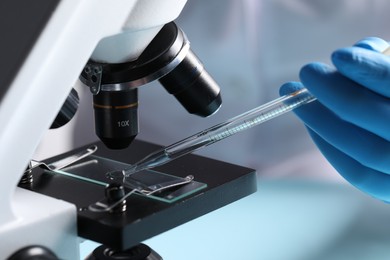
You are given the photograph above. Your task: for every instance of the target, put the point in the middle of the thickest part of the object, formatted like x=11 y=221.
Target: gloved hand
x=350 y=121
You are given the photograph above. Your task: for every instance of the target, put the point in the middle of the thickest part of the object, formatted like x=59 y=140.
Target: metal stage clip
x=62 y=163
x=141 y=188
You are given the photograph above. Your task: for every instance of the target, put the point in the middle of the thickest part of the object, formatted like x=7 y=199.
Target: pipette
x=219 y=132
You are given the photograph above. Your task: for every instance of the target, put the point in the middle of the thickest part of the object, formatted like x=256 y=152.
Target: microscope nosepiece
x=167 y=58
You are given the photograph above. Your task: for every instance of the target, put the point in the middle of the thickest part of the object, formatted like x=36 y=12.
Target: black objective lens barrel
x=116 y=117
x=67 y=111
x=193 y=87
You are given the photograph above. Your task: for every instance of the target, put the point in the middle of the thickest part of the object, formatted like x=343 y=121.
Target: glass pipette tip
x=219 y=132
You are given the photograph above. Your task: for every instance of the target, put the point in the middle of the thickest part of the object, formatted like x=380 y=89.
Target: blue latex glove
x=350 y=122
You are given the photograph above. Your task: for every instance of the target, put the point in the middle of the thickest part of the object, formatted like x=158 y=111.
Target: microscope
x=114 y=48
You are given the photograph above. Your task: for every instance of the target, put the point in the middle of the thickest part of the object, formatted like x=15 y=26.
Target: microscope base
x=138 y=252
x=40 y=221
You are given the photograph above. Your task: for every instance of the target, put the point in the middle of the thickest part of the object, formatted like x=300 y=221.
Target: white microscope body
x=109 y=31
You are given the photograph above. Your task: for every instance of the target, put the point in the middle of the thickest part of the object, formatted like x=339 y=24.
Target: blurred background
x=303 y=209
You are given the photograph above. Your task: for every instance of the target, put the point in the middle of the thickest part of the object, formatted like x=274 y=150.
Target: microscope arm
x=67 y=33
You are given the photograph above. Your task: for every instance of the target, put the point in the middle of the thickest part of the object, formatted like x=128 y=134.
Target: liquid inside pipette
x=219 y=132
x=154 y=159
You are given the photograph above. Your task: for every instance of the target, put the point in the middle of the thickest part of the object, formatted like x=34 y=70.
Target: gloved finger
x=369 y=149
x=290 y=87
x=373 y=182
x=368 y=68
x=373 y=43
x=351 y=102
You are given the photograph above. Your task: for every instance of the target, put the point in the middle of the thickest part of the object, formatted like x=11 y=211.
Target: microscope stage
x=146 y=217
